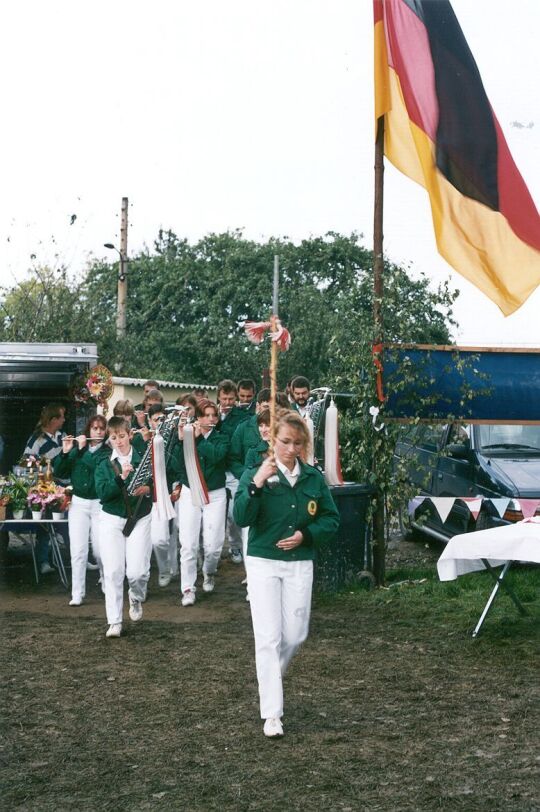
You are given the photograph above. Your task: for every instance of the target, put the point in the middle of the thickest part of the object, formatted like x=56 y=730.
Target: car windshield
x=515 y=438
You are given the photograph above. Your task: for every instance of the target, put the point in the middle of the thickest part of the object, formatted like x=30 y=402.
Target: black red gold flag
x=440 y=130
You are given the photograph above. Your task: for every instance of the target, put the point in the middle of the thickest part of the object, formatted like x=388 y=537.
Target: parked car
x=489 y=460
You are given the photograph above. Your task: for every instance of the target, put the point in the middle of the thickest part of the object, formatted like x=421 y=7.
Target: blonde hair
x=123 y=408
x=286 y=417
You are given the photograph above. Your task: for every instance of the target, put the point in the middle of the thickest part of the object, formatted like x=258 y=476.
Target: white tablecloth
x=514 y=542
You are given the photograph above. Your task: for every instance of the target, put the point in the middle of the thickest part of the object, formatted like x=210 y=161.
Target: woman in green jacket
x=77 y=462
x=287 y=523
x=212 y=448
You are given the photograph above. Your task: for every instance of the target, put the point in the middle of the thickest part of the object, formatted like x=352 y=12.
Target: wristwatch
x=253 y=490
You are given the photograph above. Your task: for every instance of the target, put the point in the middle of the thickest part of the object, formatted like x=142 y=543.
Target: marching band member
x=300 y=389
x=231 y=416
x=77 y=462
x=287 y=523
x=212 y=447
x=122 y=556
x=159 y=528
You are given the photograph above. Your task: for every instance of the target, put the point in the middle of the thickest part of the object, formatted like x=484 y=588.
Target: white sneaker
x=135 y=609
x=114 y=630
x=46 y=568
x=273 y=728
x=75 y=601
x=164 y=580
x=209 y=583
x=236 y=556
x=188 y=598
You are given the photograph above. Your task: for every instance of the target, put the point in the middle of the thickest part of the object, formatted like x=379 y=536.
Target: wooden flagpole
x=378 y=293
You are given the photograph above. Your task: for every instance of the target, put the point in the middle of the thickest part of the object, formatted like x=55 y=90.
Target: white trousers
x=83 y=524
x=190 y=518
x=234 y=532
x=280 y=603
x=173 y=546
x=123 y=557
x=159 y=531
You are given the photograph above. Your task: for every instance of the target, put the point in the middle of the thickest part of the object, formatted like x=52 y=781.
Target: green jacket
x=246 y=436
x=212 y=453
x=256 y=455
x=109 y=487
x=233 y=419
x=79 y=467
x=275 y=513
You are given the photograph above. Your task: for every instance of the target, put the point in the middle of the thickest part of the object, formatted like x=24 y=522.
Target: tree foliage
x=187 y=304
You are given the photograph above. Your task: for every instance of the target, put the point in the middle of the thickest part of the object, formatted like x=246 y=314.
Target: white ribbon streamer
x=197 y=485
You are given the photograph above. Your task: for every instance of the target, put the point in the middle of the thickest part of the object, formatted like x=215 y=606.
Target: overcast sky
x=214 y=115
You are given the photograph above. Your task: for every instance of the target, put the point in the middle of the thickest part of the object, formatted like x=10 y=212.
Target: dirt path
x=390 y=705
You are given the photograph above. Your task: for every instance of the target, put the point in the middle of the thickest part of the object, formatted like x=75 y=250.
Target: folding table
x=486 y=549
x=27 y=526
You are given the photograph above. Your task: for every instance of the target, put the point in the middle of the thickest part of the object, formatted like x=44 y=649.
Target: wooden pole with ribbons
x=280 y=340
x=274 y=353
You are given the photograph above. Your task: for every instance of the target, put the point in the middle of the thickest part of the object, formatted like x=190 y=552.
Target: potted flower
x=57 y=502
x=17 y=490
x=35 y=503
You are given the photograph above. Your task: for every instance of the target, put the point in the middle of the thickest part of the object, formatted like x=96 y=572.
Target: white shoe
x=135 y=609
x=75 y=601
x=46 y=568
x=188 y=598
x=114 y=630
x=236 y=557
x=164 y=580
x=273 y=728
x=209 y=583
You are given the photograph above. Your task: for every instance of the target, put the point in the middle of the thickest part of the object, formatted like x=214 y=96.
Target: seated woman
x=287 y=523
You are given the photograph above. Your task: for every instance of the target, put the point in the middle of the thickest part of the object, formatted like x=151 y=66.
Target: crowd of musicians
x=259 y=491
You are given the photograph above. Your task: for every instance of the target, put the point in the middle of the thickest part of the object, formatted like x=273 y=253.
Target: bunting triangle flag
x=500 y=505
x=529 y=507
x=474 y=503
x=443 y=505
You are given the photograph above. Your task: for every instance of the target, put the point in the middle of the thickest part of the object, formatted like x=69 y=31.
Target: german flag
x=440 y=130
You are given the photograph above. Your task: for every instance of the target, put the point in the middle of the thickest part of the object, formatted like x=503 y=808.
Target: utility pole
x=121 y=307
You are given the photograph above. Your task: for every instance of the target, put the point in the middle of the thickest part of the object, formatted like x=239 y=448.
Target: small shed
x=132 y=389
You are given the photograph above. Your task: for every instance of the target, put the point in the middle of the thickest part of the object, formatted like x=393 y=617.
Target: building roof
x=163 y=384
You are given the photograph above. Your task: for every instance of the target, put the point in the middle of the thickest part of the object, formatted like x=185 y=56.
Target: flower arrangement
x=95 y=385
x=46 y=495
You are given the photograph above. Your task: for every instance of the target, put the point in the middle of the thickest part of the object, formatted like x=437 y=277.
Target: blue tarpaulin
x=478 y=385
